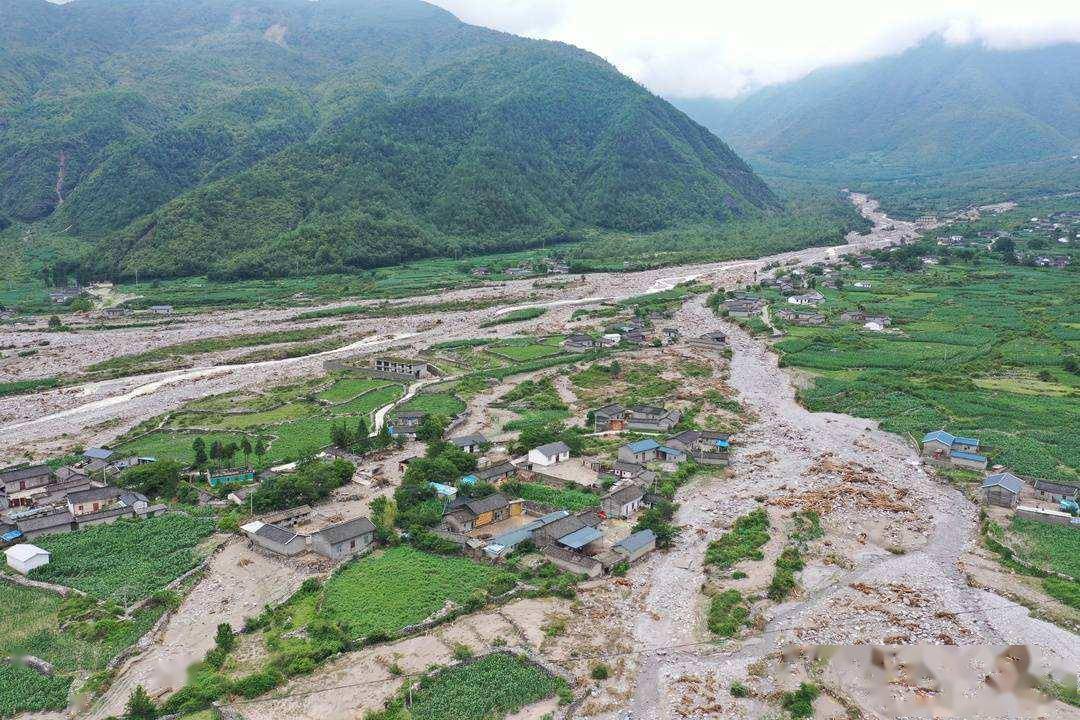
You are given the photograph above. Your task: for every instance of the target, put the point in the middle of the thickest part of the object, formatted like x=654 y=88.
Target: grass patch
x=435 y=403
x=743 y=542
x=348 y=388
x=21 y=387
x=727 y=613
x=1054 y=547
x=514 y=316
x=24 y=690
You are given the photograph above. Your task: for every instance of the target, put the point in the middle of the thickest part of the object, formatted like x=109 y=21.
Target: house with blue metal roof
x=636 y=545
x=947 y=449
x=641 y=451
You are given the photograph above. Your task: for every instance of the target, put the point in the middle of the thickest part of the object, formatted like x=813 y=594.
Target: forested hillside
x=241 y=138
x=917 y=118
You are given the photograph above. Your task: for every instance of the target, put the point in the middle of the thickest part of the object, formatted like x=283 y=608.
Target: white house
x=23 y=558
x=549 y=454
x=811 y=298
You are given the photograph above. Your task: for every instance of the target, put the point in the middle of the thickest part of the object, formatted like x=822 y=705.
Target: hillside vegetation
x=243 y=139
x=936 y=117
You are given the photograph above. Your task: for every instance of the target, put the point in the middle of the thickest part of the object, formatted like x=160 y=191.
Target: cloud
x=698 y=48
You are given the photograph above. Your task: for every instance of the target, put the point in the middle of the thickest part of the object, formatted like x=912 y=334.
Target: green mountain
x=932 y=111
x=251 y=138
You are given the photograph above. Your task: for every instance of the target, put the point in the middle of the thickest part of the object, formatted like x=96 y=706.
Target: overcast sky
x=719 y=48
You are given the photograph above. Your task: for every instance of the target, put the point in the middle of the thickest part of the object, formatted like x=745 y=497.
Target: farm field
x=1052 y=547
x=977 y=350
x=493 y=686
x=435 y=403
x=292 y=425
x=572 y=500
x=401 y=587
x=526 y=350
x=127 y=560
x=31 y=623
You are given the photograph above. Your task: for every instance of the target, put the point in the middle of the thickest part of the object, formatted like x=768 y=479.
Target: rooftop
x=553 y=449
x=581 y=537
x=347 y=530
x=1006 y=480
x=643 y=445
x=487 y=504
x=633 y=543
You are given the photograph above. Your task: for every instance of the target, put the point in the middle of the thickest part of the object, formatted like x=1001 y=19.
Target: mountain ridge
x=256 y=139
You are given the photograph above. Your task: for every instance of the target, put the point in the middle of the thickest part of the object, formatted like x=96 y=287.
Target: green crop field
x=437 y=403
x=524 y=351
x=493 y=686
x=292 y=424
x=127 y=560
x=401 y=587
x=978 y=350
x=348 y=388
x=514 y=316
x=32 y=627
x=572 y=500
x=1054 y=547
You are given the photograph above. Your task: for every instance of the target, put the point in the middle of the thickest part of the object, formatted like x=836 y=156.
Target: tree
x=198 y=445
x=81 y=304
x=260 y=447
x=140 y=706
x=245 y=447
x=54 y=322
x=157 y=479
x=215 y=450
x=432 y=428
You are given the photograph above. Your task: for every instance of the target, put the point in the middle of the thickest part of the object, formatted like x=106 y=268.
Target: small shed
x=274 y=539
x=641 y=451
x=1002 y=489
x=24 y=557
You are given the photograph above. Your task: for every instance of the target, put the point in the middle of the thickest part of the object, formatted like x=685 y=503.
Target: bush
x=462 y=651
x=801 y=702
x=620 y=569
x=727 y=613
x=258 y=683
x=225 y=639
x=739 y=690
x=600 y=671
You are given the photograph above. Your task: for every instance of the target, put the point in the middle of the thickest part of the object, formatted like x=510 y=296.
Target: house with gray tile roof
x=345 y=539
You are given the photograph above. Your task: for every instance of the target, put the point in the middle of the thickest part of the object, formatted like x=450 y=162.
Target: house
x=1001 y=489
x=398 y=367
x=635 y=473
x=230 y=476
x=471 y=444
x=23 y=558
x=623 y=502
x=23 y=484
x=743 y=305
x=345 y=539
x=610 y=417
x=97 y=454
x=635 y=546
x=574 y=532
x=274 y=539
x=492 y=474
x=92 y=500
x=115 y=312
x=812 y=298
x=704 y=446
x=1055 y=491
x=716 y=340
x=579 y=342
x=649 y=418
x=862 y=285
x=45 y=524
x=944 y=448
x=406 y=422
x=290 y=517
x=549 y=454
x=481 y=271
x=642 y=451
x=136 y=501
x=474 y=514
x=503 y=544
x=800 y=318
x=161 y=309
x=968 y=460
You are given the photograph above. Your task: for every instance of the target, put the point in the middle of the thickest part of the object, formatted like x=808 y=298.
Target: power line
x=565 y=661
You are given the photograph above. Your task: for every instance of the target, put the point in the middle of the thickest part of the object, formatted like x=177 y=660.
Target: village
x=569 y=495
